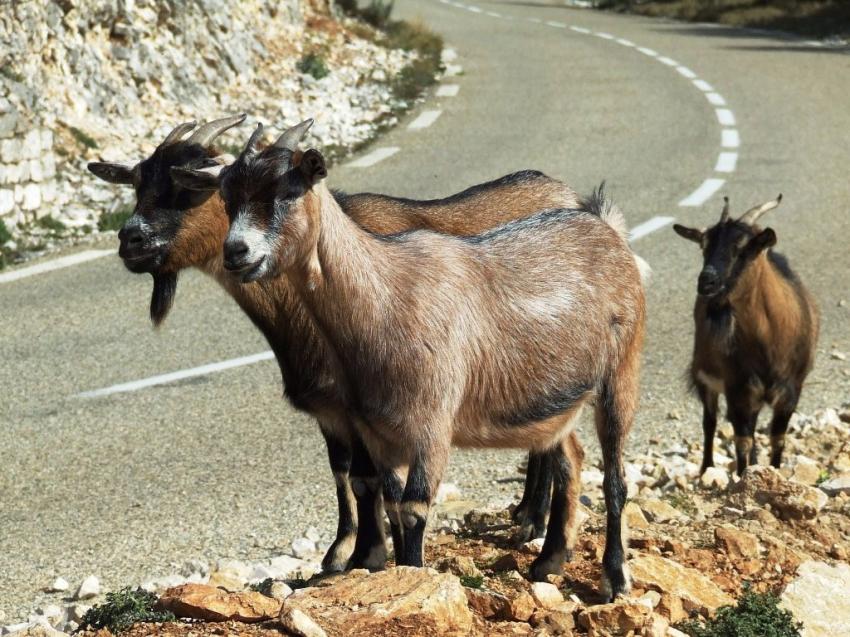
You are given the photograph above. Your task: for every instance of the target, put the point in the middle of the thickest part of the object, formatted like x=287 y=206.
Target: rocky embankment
x=696 y=545
x=106 y=80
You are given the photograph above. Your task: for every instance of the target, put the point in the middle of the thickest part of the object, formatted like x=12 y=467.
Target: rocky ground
x=107 y=81
x=696 y=544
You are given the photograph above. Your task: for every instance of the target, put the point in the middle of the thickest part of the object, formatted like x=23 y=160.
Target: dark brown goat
x=756 y=331
x=495 y=340
x=174 y=228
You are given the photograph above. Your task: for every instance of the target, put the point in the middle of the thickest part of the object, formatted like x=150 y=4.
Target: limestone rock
x=789 y=500
x=299 y=623
x=805 y=470
x=488 y=604
x=553 y=622
x=715 y=478
x=89 y=587
x=619 y=618
x=695 y=590
x=460 y=565
x=546 y=595
x=659 y=511
x=819 y=599
x=202 y=601
x=735 y=543
x=226 y=580
x=634 y=517
x=522 y=607
x=59 y=585
x=362 y=603
x=836 y=485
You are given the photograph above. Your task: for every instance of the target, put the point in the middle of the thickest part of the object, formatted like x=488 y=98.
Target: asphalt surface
x=132 y=485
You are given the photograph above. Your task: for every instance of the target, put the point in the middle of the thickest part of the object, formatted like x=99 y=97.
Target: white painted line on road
x=730 y=138
x=703 y=85
x=668 y=61
x=716 y=99
x=425 y=119
x=686 y=72
x=725 y=116
x=377 y=155
x=580 y=30
x=650 y=52
x=448 y=55
x=625 y=42
x=648 y=227
x=54 y=264
x=475 y=9
x=493 y=14
x=702 y=194
x=163 y=379
x=452 y=70
x=448 y=90
x=726 y=162
x=557 y=25
x=603 y=35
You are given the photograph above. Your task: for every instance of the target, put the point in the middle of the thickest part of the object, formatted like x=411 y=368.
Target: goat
x=493 y=340
x=174 y=228
x=756 y=331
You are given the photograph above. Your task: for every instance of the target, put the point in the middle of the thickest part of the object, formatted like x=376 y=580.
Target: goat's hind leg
x=565 y=463
x=783 y=409
x=538 y=498
x=339 y=454
x=709 y=400
x=532 y=473
x=370 y=549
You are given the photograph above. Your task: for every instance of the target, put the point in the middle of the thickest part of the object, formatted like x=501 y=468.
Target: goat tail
x=602 y=206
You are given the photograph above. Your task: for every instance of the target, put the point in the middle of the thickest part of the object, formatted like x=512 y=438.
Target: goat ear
x=204 y=180
x=113 y=173
x=691 y=234
x=762 y=241
x=313 y=166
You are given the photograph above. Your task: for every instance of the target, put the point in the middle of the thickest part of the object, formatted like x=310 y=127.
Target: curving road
x=132 y=484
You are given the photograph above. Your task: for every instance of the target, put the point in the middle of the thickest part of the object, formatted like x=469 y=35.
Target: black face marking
x=723 y=243
x=550 y=405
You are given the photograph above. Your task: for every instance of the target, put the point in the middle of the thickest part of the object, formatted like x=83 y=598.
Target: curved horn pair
x=753 y=214
x=206 y=133
x=289 y=140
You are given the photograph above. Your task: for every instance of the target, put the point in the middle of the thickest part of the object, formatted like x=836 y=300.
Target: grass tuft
x=756 y=615
x=122 y=610
x=83 y=138
x=472 y=581
x=682 y=501
x=264 y=587
x=51 y=224
x=313 y=64
x=114 y=220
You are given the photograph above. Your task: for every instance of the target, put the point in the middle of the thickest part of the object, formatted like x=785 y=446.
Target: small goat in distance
x=756 y=331
x=495 y=340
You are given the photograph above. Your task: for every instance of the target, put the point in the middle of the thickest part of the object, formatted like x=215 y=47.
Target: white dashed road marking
x=684 y=71
x=425 y=119
x=725 y=116
x=703 y=85
x=54 y=264
x=703 y=193
x=715 y=98
x=377 y=155
x=448 y=90
x=164 y=379
x=648 y=227
x=726 y=163
x=730 y=138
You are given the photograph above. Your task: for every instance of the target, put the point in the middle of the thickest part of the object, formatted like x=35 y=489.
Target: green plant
x=114 y=220
x=378 y=12
x=5 y=235
x=82 y=137
x=297 y=582
x=472 y=581
x=124 y=609
x=49 y=223
x=264 y=587
x=756 y=615
x=682 y=501
x=313 y=64
x=7 y=72
x=823 y=476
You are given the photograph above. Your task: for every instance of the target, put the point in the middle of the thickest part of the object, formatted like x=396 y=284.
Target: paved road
x=133 y=484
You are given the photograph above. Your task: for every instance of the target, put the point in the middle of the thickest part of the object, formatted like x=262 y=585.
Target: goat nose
x=708 y=280
x=131 y=237
x=235 y=251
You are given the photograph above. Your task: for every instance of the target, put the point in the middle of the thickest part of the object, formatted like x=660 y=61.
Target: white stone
x=89 y=587
x=48 y=166
x=7 y=201
x=715 y=478
x=836 y=485
x=546 y=595
x=235 y=567
x=46 y=138
x=31 y=145
x=448 y=491
x=286 y=566
x=77 y=611
x=592 y=477
x=36 y=171
x=32 y=197
x=261 y=572
x=302 y=547
x=819 y=599
x=312 y=533
x=51 y=612
x=10 y=150
x=59 y=585
x=299 y=623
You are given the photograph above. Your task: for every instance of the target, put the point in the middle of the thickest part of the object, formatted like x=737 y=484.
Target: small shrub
x=124 y=609
x=82 y=138
x=264 y=587
x=113 y=220
x=823 y=476
x=313 y=64
x=5 y=235
x=49 y=223
x=297 y=582
x=756 y=615
x=472 y=581
x=378 y=12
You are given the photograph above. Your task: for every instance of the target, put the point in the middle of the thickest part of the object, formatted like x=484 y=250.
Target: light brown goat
x=496 y=340
x=173 y=229
x=756 y=331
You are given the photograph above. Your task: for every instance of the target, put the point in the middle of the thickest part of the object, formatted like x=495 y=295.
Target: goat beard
x=162 y=297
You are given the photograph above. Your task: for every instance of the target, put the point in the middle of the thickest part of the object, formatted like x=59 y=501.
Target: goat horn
x=725 y=214
x=178 y=132
x=752 y=215
x=293 y=136
x=251 y=147
x=209 y=131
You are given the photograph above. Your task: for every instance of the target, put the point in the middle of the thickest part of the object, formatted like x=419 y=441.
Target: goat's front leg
x=423 y=479
x=339 y=455
x=565 y=464
x=370 y=550
x=708 y=398
x=744 y=418
x=782 y=412
x=393 y=488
